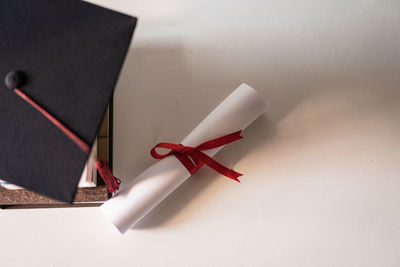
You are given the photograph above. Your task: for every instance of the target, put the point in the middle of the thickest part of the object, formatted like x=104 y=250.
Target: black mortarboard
x=71 y=53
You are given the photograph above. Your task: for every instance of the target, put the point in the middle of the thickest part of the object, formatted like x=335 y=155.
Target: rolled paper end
x=107 y=212
x=262 y=102
x=116 y=213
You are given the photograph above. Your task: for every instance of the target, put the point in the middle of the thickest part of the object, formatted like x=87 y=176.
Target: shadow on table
x=166 y=90
x=162 y=96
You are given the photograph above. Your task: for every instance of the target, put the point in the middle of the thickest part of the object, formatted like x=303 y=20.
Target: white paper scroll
x=142 y=194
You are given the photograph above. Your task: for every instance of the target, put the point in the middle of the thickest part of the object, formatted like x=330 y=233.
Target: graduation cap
x=65 y=56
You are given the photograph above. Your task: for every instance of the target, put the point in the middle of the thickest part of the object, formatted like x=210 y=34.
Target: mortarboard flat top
x=72 y=53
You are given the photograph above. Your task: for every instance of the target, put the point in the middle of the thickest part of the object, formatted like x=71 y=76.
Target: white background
x=322 y=166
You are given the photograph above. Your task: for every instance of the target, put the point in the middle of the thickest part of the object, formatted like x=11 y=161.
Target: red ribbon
x=109 y=179
x=192 y=157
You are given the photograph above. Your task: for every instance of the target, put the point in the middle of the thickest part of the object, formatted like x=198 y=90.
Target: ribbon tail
x=216 y=165
x=220 y=141
x=109 y=179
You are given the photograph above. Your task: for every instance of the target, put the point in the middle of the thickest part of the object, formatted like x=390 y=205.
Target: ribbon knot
x=193 y=157
x=185 y=149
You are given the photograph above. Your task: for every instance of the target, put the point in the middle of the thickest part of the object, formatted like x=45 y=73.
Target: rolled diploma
x=141 y=195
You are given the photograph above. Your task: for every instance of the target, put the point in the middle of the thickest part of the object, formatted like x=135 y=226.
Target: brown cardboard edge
x=44 y=206
x=23 y=197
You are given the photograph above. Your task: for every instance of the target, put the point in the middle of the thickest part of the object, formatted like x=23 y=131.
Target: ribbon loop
x=193 y=157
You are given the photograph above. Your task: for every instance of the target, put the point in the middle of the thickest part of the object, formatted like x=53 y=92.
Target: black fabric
x=72 y=53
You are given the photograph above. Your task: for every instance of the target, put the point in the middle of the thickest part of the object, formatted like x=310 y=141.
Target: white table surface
x=322 y=166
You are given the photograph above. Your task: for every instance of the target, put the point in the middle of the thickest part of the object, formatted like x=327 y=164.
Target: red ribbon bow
x=192 y=157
